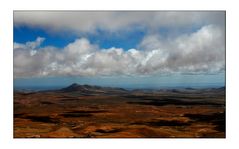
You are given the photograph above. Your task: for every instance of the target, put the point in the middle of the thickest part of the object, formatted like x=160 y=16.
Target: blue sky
x=106 y=40
x=24 y=34
x=125 y=49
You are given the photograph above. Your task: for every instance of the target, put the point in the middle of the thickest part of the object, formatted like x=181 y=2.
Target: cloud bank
x=202 y=51
x=113 y=21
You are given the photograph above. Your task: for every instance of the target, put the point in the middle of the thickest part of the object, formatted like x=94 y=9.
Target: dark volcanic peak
x=74 y=85
x=91 y=89
x=77 y=87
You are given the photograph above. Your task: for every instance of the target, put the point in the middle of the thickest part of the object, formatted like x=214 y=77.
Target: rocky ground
x=96 y=113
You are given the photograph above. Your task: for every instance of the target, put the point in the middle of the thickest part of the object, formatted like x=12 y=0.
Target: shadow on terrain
x=108 y=131
x=44 y=119
x=217 y=119
x=167 y=101
x=163 y=123
x=81 y=113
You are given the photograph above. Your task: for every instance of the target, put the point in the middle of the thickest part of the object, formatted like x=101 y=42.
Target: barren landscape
x=84 y=111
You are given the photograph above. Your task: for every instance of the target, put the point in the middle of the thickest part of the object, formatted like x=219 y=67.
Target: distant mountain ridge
x=94 y=90
x=91 y=89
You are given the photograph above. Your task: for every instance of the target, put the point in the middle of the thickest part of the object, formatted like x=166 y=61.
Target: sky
x=130 y=49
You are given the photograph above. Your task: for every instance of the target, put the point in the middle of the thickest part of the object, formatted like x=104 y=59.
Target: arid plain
x=83 y=111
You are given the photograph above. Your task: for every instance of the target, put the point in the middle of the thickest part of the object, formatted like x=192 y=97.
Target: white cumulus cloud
x=202 y=51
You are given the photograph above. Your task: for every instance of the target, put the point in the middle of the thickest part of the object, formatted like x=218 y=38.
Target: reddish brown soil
x=158 y=115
